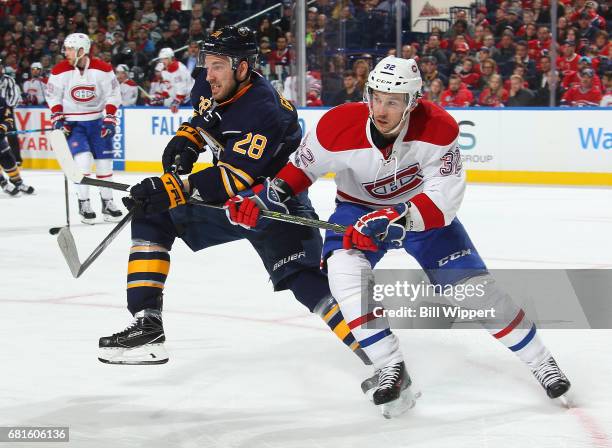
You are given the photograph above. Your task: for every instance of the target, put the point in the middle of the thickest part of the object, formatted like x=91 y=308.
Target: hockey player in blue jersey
x=251 y=131
x=15 y=184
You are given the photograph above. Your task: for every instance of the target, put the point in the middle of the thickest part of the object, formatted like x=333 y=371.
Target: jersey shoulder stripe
x=343 y=128
x=99 y=64
x=430 y=123
x=61 y=67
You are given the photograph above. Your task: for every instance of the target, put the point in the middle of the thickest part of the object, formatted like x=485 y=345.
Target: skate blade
x=149 y=354
x=109 y=218
x=395 y=408
x=566 y=400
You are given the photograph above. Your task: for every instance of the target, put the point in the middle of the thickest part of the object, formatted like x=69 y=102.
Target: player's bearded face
x=387 y=110
x=220 y=76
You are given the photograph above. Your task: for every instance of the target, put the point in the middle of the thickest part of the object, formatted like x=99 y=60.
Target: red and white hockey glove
x=108 y=126
x=380 y=229
x=244 y=209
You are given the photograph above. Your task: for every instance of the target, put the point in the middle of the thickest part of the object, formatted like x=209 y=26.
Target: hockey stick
x=69 y=250
x=28 y=131
x=74 y=173
x=55 y=230
x=144 y=92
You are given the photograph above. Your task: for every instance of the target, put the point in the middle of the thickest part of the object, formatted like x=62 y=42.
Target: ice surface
x=251 y=368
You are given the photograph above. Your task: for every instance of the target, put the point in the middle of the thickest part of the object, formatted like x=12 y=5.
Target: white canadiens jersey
x=129 y=92
x=423 y=165
x=179 y=81
x=35 y=87
x=83 y=96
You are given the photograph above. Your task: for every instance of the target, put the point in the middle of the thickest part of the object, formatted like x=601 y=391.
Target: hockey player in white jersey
x=399 y=185
x=177 y=77
x=128 y=88
x=83 y=95
x=158 y=90
x=34 y=88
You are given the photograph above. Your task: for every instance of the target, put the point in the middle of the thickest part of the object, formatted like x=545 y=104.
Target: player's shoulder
x=61 y=67
x=99 y=64
x=131 y=83
x=196 y=72
x=344 y=127
x=261 y=102
x=173 y=66
x=429 y=123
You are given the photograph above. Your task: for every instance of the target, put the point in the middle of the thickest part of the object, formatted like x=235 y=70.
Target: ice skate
x=110 y=212
x=552 y=379
x=141 y=343
x=88 y=216
x=8 y=187
x=391 y=392
x=23 y=188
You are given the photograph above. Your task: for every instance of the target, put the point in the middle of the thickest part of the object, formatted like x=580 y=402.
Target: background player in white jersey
x=83 y=95
x=158 y=90
x=178 y=79
x=128 y=88
x=34 y=88
x=400 y=183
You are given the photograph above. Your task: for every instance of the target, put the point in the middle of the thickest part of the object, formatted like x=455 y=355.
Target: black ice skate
x=141 y=343
x=389 y=388
x=551 y=378
x=23 y=188
x=87 y=214
x=110 y=212
x=8 y=187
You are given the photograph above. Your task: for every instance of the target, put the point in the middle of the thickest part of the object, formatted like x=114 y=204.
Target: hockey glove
x=244 y=209
x=58 y=120
x=156 y=194
x=187 y=145
x=380 y=229
x=174 y=106
x=108 y=126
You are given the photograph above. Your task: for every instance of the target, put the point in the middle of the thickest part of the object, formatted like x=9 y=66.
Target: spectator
x=584 y=94
x=468 y=75
x=489 y=42
x=216 y=19
x=521 y=57
x=540 y=46
x=432 y=48
x=506 y=48
x=191 y=56
x=510 y=21
x=435 y=91
x=362 y=70
x=456 y=95
x=149 y=16
x=572 y=78
x=287 y=18
x=196 y=31
x=282 y=58
x=585 y=29
x=545 y=80
x=409 y=52
x=265 y=28
x=350 y=93
x=333 y=77
x=519 y=96
x=494 y=95
x=429 y=72
x=568 y=62
x=606 y=100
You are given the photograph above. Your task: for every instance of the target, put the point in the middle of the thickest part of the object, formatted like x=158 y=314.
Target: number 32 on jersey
x=251 y=145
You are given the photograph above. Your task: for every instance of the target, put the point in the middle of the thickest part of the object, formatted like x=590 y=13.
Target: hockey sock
x=510 y=326
x=345 y=269
x=14 y=175
x=148 y=269
x=311 y=289
x=104 y=170
x=84 y=161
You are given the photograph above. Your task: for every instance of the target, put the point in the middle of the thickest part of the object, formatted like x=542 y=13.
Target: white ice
x=251 y=368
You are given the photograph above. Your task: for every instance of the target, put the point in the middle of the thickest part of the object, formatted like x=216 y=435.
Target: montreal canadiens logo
x=392 y=186
x=83 y=94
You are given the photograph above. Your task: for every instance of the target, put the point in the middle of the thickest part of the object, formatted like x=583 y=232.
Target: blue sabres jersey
x=6 y=119
x=257 y=131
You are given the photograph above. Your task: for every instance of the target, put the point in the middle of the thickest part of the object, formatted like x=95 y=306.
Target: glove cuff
x=192 y=134
x=174 y=187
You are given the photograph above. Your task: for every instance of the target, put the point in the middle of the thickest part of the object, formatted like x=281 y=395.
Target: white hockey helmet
x=395 y=75
x=166 y=53
x=37 y=65
x=122 y=68
x=78 y=41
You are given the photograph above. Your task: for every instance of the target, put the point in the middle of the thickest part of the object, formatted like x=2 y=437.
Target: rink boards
x=564 y=146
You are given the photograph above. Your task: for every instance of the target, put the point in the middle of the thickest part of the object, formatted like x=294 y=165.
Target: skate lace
x=128 y=328
x=548 y=372
x=388 y=376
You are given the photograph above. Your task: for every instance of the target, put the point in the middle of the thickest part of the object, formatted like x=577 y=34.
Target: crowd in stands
x=493 y=54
